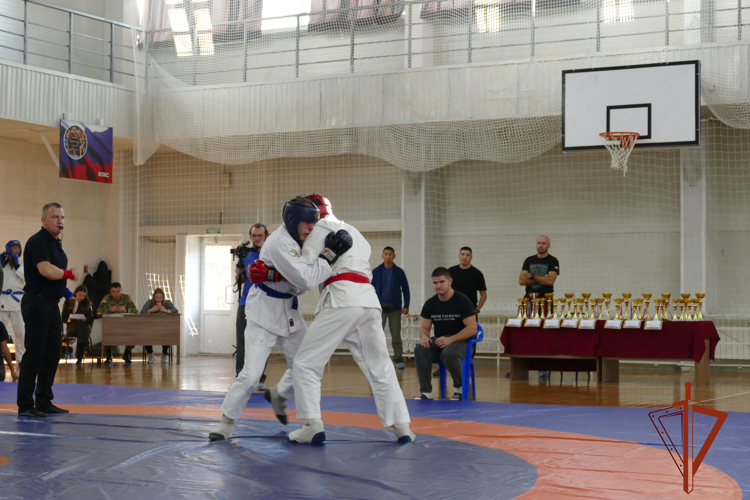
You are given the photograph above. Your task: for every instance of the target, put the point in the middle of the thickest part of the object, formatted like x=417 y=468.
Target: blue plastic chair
x=468 y=368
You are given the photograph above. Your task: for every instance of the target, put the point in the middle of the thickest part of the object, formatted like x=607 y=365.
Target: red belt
x=356 y=278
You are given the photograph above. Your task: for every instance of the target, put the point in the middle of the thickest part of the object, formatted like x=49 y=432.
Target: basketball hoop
x=619 y=144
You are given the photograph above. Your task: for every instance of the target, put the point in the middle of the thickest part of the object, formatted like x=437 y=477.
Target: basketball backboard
x=659 y=101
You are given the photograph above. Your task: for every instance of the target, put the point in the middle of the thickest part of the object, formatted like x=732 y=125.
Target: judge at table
x=158 y=304
x=117 y=302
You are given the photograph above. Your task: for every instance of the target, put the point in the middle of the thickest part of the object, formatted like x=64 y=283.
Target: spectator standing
x=117 y=302
x=158 y=304
x=452 y=314
x=540 y=271
x=6 y=354
x=258 y=235
x=46 y=276
x=538 y=274
x=78 y=315
x=12 y=281
x=469 y=280
x=390 y=282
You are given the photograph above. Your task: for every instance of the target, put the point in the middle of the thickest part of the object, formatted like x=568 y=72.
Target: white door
x=218 y=302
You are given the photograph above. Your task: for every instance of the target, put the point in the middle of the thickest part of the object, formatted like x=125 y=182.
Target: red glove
x=259 y=272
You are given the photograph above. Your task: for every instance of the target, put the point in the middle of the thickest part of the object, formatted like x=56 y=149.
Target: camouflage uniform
x=125 y=301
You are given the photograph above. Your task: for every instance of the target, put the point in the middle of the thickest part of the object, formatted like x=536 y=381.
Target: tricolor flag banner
x=85 y=152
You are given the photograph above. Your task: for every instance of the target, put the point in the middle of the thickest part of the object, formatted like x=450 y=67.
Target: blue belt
x=278 y=295
x=12 y=294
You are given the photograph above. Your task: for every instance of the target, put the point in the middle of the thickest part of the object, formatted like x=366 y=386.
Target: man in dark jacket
x=390 y=281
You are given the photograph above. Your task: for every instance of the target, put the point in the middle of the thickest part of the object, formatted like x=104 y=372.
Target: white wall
x=92 y=216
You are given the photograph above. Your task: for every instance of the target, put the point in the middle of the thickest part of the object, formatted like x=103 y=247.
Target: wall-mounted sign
x=85 y=152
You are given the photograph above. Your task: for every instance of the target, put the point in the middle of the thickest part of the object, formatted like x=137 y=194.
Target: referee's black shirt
x=43 y=247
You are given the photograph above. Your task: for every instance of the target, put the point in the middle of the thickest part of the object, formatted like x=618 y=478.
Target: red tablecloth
x=676 y=340
x=549 y=342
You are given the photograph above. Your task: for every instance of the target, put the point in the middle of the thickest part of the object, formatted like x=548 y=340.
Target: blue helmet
x=13 y=243
x=297 y=210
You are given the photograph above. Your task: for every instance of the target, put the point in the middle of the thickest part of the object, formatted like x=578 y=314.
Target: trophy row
x=583 y=312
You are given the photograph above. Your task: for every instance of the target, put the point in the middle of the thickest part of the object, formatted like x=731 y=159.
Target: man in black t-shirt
x=46 y=274
x=469 y=280
x=540 y=271
x=454 y=318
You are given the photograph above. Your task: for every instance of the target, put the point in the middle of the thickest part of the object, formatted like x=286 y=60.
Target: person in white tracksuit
x=348 y=310
x=12 y=293
x=273 y=316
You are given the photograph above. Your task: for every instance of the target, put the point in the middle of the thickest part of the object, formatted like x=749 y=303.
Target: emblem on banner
x=75 y=142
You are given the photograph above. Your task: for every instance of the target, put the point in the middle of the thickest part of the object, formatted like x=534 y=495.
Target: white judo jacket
x=356 y=260
x=12 y=292
x=278 y=315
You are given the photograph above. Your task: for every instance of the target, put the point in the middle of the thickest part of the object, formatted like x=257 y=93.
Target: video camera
x=241 y=251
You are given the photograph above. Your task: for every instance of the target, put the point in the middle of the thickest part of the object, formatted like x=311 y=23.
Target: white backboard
x=659 y=101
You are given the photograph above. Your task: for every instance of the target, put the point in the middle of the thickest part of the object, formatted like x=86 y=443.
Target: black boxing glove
x=337 y=245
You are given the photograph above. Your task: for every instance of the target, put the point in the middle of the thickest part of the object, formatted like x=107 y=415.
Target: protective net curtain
x=337 y=14
x=419 y=85
x=173 y=20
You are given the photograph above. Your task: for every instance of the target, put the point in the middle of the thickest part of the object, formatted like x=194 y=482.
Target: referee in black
x=45 y=263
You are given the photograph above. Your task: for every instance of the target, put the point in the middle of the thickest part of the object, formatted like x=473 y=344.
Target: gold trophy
x=555 y=305
x=599 y=303
x=618 y=308
x=581 y=308
x=695 y=309
x=700 y=297
x=677 y=303
x=548 y=312
x=647 y=316
x=569 y=297
x=520 y=308
x=586 y=305
x=665 y=309
x=525 y=308
x=657 y=307
x=626 y=313
x=606 y=296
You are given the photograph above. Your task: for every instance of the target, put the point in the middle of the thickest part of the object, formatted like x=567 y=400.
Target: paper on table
x=77 y=316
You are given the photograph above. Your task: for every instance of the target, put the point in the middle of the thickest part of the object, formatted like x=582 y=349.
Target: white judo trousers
x=19 y=331
x=360 y=328
x=258 y=345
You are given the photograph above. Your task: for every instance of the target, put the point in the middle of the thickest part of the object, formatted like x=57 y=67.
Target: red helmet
x=323 y=204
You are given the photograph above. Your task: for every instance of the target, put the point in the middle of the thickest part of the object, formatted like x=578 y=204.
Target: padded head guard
x=297 y=210
x=13 y=243
x=323 y=204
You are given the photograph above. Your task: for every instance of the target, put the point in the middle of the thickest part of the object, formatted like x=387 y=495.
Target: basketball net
x=620 y=145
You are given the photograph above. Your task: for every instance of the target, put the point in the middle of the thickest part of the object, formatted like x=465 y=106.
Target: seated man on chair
x=117 y=302
x=455 y=321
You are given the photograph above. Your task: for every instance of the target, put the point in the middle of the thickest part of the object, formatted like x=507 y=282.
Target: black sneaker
x=126 y=357
x=436 y=373
x=53 y=409
x=421 y=396
x=456 y=397
x=32 y=413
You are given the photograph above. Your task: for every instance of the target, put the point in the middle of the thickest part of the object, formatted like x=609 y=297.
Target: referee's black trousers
x=43 y=340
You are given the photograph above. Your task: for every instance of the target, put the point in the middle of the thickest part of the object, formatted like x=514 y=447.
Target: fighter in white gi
x=348 y=311
x=12 y=293
x=273 y=316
